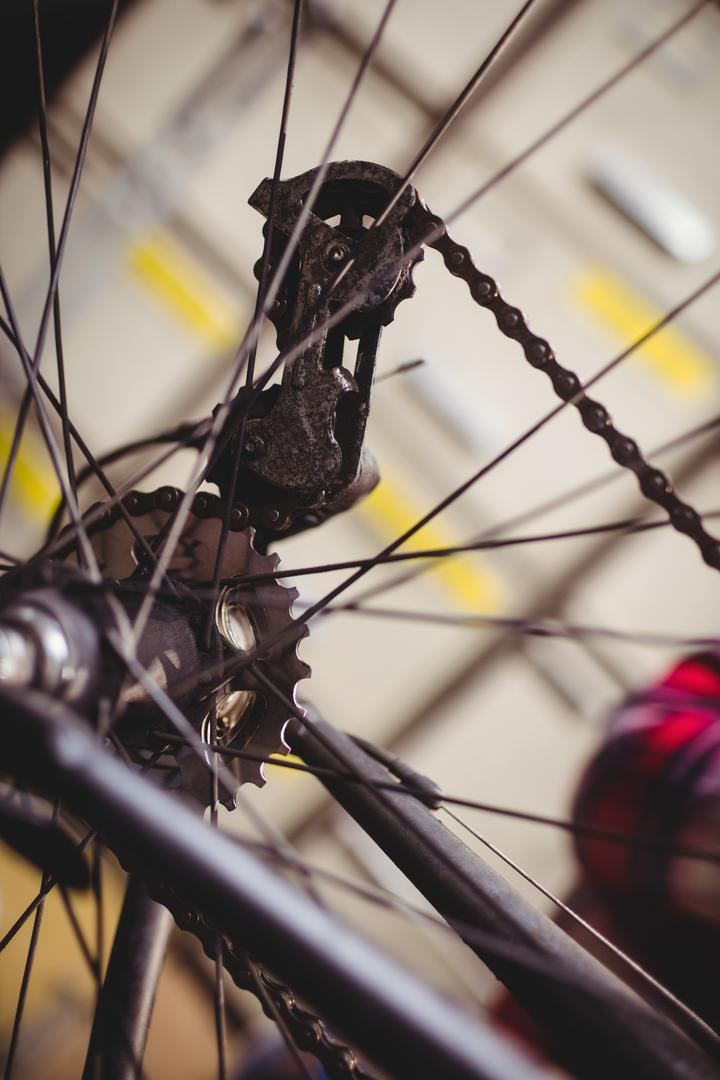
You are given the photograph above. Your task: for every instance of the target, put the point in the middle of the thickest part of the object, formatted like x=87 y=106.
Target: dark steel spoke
x=252 y=333
x=50 y=217
x=705 y=1034
x=262 y=284
x=75 y=183
x=219 y=1010
x=343 y=310
x=314 y=609
x=56 y=259
x=94 y=465
x=538 y=627
x=441 y=128
x=572 y=114
x=22 y=996
x=23 y=410
x=636 y=840
x=283 y=851
x=97 y=888
x=401 y=369
x=51 y=882
x=625 y=525
x=290 y=633
x=454 y=110
x=271 y=1007
x=279 y=155
x=91 y=961
x=219 y=986
x=49 y=438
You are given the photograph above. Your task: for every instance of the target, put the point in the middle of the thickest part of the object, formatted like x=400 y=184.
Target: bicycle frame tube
x=601 y=1028
x=400 y=1024
x=122 y=1018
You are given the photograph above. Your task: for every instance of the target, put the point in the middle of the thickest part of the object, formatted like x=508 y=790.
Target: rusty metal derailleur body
x=302 y=455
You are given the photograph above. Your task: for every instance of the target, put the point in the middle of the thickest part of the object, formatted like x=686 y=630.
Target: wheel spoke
x=271 y=1007
x=282 y=850
x=48 y=436
x=262 y=283
x=50 y=218
x=537 y=627
x=277 y=170
x=33 y=367
x=521 y=440
x=635 y=840
x=319 y=331
x=92 y=962
x=690 y=1021
x=74 y=184
x=222 y=413
x=22 y=996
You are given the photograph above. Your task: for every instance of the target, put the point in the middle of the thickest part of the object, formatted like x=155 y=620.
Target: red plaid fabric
x=658 y=776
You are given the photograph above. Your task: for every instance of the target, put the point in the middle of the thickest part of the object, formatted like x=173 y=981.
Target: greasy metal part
x=400 y=1024
x=122 y=1016
x=119 y=555
x=302 y=452
x=308 y=1030
x=18 y=658
x=50 y=643
x=303 y=441
x=172 y=645
x=598 y=1026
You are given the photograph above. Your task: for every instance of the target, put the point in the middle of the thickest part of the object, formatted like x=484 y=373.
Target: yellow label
x=171 y=275
x=471 y=585
x=681 y=365
x=33 y=480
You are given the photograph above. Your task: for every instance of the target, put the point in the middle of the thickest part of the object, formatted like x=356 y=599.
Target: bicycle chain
x=653 y=483
x=307 y=1029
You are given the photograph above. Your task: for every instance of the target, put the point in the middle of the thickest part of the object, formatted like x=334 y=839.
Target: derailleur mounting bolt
x=335 y=252
x=254 y=446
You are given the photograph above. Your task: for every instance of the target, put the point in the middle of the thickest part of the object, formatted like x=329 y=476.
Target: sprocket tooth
x=405 y=291
x=282 y=665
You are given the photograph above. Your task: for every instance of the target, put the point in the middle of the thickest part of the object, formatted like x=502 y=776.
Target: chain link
x=306 y=1028
x=653 y=483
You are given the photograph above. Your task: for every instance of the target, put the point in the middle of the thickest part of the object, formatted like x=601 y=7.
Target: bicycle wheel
x=509 y=582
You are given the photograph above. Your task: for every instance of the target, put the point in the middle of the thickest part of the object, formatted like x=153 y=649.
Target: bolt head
x=336 y=252
x=254 y=446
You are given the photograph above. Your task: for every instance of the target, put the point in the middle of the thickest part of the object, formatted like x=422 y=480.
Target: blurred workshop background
x=599 y=233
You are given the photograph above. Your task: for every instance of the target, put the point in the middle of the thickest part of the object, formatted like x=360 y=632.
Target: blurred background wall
x=156 y=290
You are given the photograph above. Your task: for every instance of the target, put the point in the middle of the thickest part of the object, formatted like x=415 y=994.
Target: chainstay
x=653 y=483
x=307 y=1029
